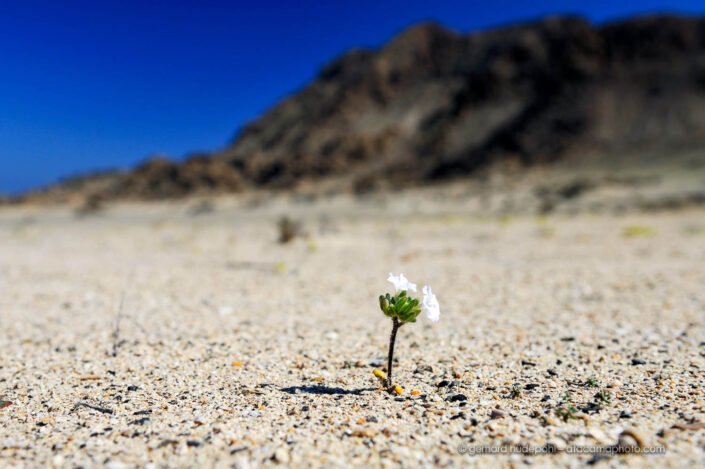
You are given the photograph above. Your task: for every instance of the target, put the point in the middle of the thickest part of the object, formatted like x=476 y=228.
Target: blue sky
x=86 y=85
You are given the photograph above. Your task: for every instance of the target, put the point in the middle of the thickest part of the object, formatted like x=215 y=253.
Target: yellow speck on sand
x=381 y=375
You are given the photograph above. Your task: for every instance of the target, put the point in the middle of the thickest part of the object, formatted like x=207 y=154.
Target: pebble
x=281 y=455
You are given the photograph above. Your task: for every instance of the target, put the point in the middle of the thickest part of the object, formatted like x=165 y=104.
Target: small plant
x=592 y=382
x=546 y=231
x=638 y=231
x=567 y=412
x=603 y=397
x=515 y=392
x=289 y=229
x=402 y=309
x=693 y=230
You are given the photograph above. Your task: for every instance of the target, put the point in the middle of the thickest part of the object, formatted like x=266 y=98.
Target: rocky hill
x=433 y=105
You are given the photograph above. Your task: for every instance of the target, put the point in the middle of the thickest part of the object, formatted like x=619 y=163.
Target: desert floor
x=231 y=348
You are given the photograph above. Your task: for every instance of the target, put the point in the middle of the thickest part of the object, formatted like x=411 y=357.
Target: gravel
x=236 y=350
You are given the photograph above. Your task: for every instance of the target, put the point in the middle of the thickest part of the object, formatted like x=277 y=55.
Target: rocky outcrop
x=433 y=105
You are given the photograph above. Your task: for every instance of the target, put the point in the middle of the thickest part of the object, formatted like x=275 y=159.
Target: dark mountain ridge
x=432 y=105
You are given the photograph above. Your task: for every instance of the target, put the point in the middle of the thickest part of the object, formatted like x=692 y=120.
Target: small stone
x=424 y=369
x=625 y=414
x=142 y=421
x=497 y=414
x=629 y=439
x=132 y=388
x=599 y=436
x=556 y=445
x=44 y=421
x=116 y=465
x=689 y=426
x=238 y=449
x=443 y=383
x=638 y=361
x=458 y=398
x=415 y=392
x=281 y=456
x=193 y=443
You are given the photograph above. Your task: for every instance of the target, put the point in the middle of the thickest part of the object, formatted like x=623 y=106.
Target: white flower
x=429 y=305
x=401 y=283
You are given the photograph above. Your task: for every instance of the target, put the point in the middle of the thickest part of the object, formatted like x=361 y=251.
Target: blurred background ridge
x=433 y=105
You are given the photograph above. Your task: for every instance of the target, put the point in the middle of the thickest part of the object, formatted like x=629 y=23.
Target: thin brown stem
x=390 y=358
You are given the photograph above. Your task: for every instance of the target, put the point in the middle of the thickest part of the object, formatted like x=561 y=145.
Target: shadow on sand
x=324 y=390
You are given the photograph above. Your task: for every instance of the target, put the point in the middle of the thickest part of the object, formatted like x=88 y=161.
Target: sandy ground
x=236 y=350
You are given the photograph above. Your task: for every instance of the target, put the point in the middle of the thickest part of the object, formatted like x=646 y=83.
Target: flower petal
x=401 y=283
x=429 y=305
